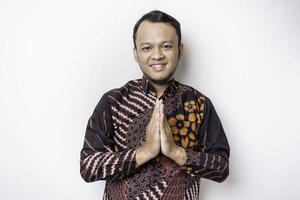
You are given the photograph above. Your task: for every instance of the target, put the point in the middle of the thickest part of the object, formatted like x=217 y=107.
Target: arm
x=98 y=160
x=211 y=157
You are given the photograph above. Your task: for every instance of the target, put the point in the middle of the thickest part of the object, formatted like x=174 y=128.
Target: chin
x=160 y=80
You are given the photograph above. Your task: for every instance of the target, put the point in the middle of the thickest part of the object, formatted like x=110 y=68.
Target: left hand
x=168 y=146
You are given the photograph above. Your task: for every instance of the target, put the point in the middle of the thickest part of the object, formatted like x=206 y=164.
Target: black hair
x=158 y=16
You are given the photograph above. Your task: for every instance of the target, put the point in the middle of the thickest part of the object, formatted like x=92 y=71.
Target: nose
x=157 y=54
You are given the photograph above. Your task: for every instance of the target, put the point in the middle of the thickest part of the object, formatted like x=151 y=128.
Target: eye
x=167 y=46
x=146 y=48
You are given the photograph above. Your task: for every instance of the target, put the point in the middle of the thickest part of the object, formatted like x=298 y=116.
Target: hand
x=151 y=147
x=152 y=138
x=168 y=146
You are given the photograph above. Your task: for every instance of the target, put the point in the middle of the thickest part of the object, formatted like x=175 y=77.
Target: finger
x=157 y=114
x=157 y=107
x=167 y=128
x=161 y=102
x=157 y=103
x=154 y=110
x=161 y=112
x=162 y=116
x=157 y=110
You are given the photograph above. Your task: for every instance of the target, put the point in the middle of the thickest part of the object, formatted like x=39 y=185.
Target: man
x=154 y=138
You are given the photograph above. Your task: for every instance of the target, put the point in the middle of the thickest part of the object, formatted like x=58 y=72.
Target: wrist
x=179 y=155
x=144 y=154
x=141 y=156
x=149 y=151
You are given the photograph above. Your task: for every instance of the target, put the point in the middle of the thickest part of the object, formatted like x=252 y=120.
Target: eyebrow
x=167 y=41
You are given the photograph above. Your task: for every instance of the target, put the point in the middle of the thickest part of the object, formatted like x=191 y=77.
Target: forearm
x=207 y=165
x=107 y=165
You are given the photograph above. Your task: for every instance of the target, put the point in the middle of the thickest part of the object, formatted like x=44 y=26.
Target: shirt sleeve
x=211 y=157
x=98 y=158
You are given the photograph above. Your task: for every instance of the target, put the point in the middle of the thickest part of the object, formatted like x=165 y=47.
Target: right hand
x=151 y=147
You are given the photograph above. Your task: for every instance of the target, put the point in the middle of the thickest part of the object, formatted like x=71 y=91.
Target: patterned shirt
x=117 y=128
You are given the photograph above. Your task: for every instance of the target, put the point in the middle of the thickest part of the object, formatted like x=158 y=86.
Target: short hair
x=158 y=16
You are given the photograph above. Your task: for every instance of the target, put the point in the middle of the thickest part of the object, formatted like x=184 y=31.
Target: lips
x=158 y=66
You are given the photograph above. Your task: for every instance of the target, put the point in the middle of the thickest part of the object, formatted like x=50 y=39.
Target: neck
x=160 y=88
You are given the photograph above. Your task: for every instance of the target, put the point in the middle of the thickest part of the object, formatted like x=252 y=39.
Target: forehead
x=155 y=32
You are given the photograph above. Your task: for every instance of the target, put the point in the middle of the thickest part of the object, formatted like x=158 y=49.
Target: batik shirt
x=117 y=128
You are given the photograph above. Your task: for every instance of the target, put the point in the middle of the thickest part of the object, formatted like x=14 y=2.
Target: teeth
x=157 y=66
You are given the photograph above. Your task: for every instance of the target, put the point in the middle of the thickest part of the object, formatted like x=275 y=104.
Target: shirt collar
x=148 y=87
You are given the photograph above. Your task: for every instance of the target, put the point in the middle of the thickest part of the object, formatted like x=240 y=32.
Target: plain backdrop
x=58 y=57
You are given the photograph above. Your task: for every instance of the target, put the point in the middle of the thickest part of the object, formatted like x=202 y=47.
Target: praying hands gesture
x=159 y=138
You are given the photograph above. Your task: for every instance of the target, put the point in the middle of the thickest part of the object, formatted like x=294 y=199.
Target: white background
x=58 y=57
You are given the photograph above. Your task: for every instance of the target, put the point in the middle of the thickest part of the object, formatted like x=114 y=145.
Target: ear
x=180 y=51
x=135 y=55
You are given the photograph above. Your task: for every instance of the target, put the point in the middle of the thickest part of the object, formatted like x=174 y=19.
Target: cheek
x=143 y=58
x=173 y=57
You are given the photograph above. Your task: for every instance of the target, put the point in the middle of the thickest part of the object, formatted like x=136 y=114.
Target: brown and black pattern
x=117 y=128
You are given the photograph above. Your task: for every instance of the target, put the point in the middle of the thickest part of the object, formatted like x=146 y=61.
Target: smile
x=158 y=67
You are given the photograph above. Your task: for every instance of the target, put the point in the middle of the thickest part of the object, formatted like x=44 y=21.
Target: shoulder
x=116 y=95
x=190 y=92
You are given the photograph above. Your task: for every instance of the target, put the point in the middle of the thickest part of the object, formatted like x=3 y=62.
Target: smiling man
x=154 y=137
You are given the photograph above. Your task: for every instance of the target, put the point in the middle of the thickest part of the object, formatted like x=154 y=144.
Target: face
x=157 y=51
